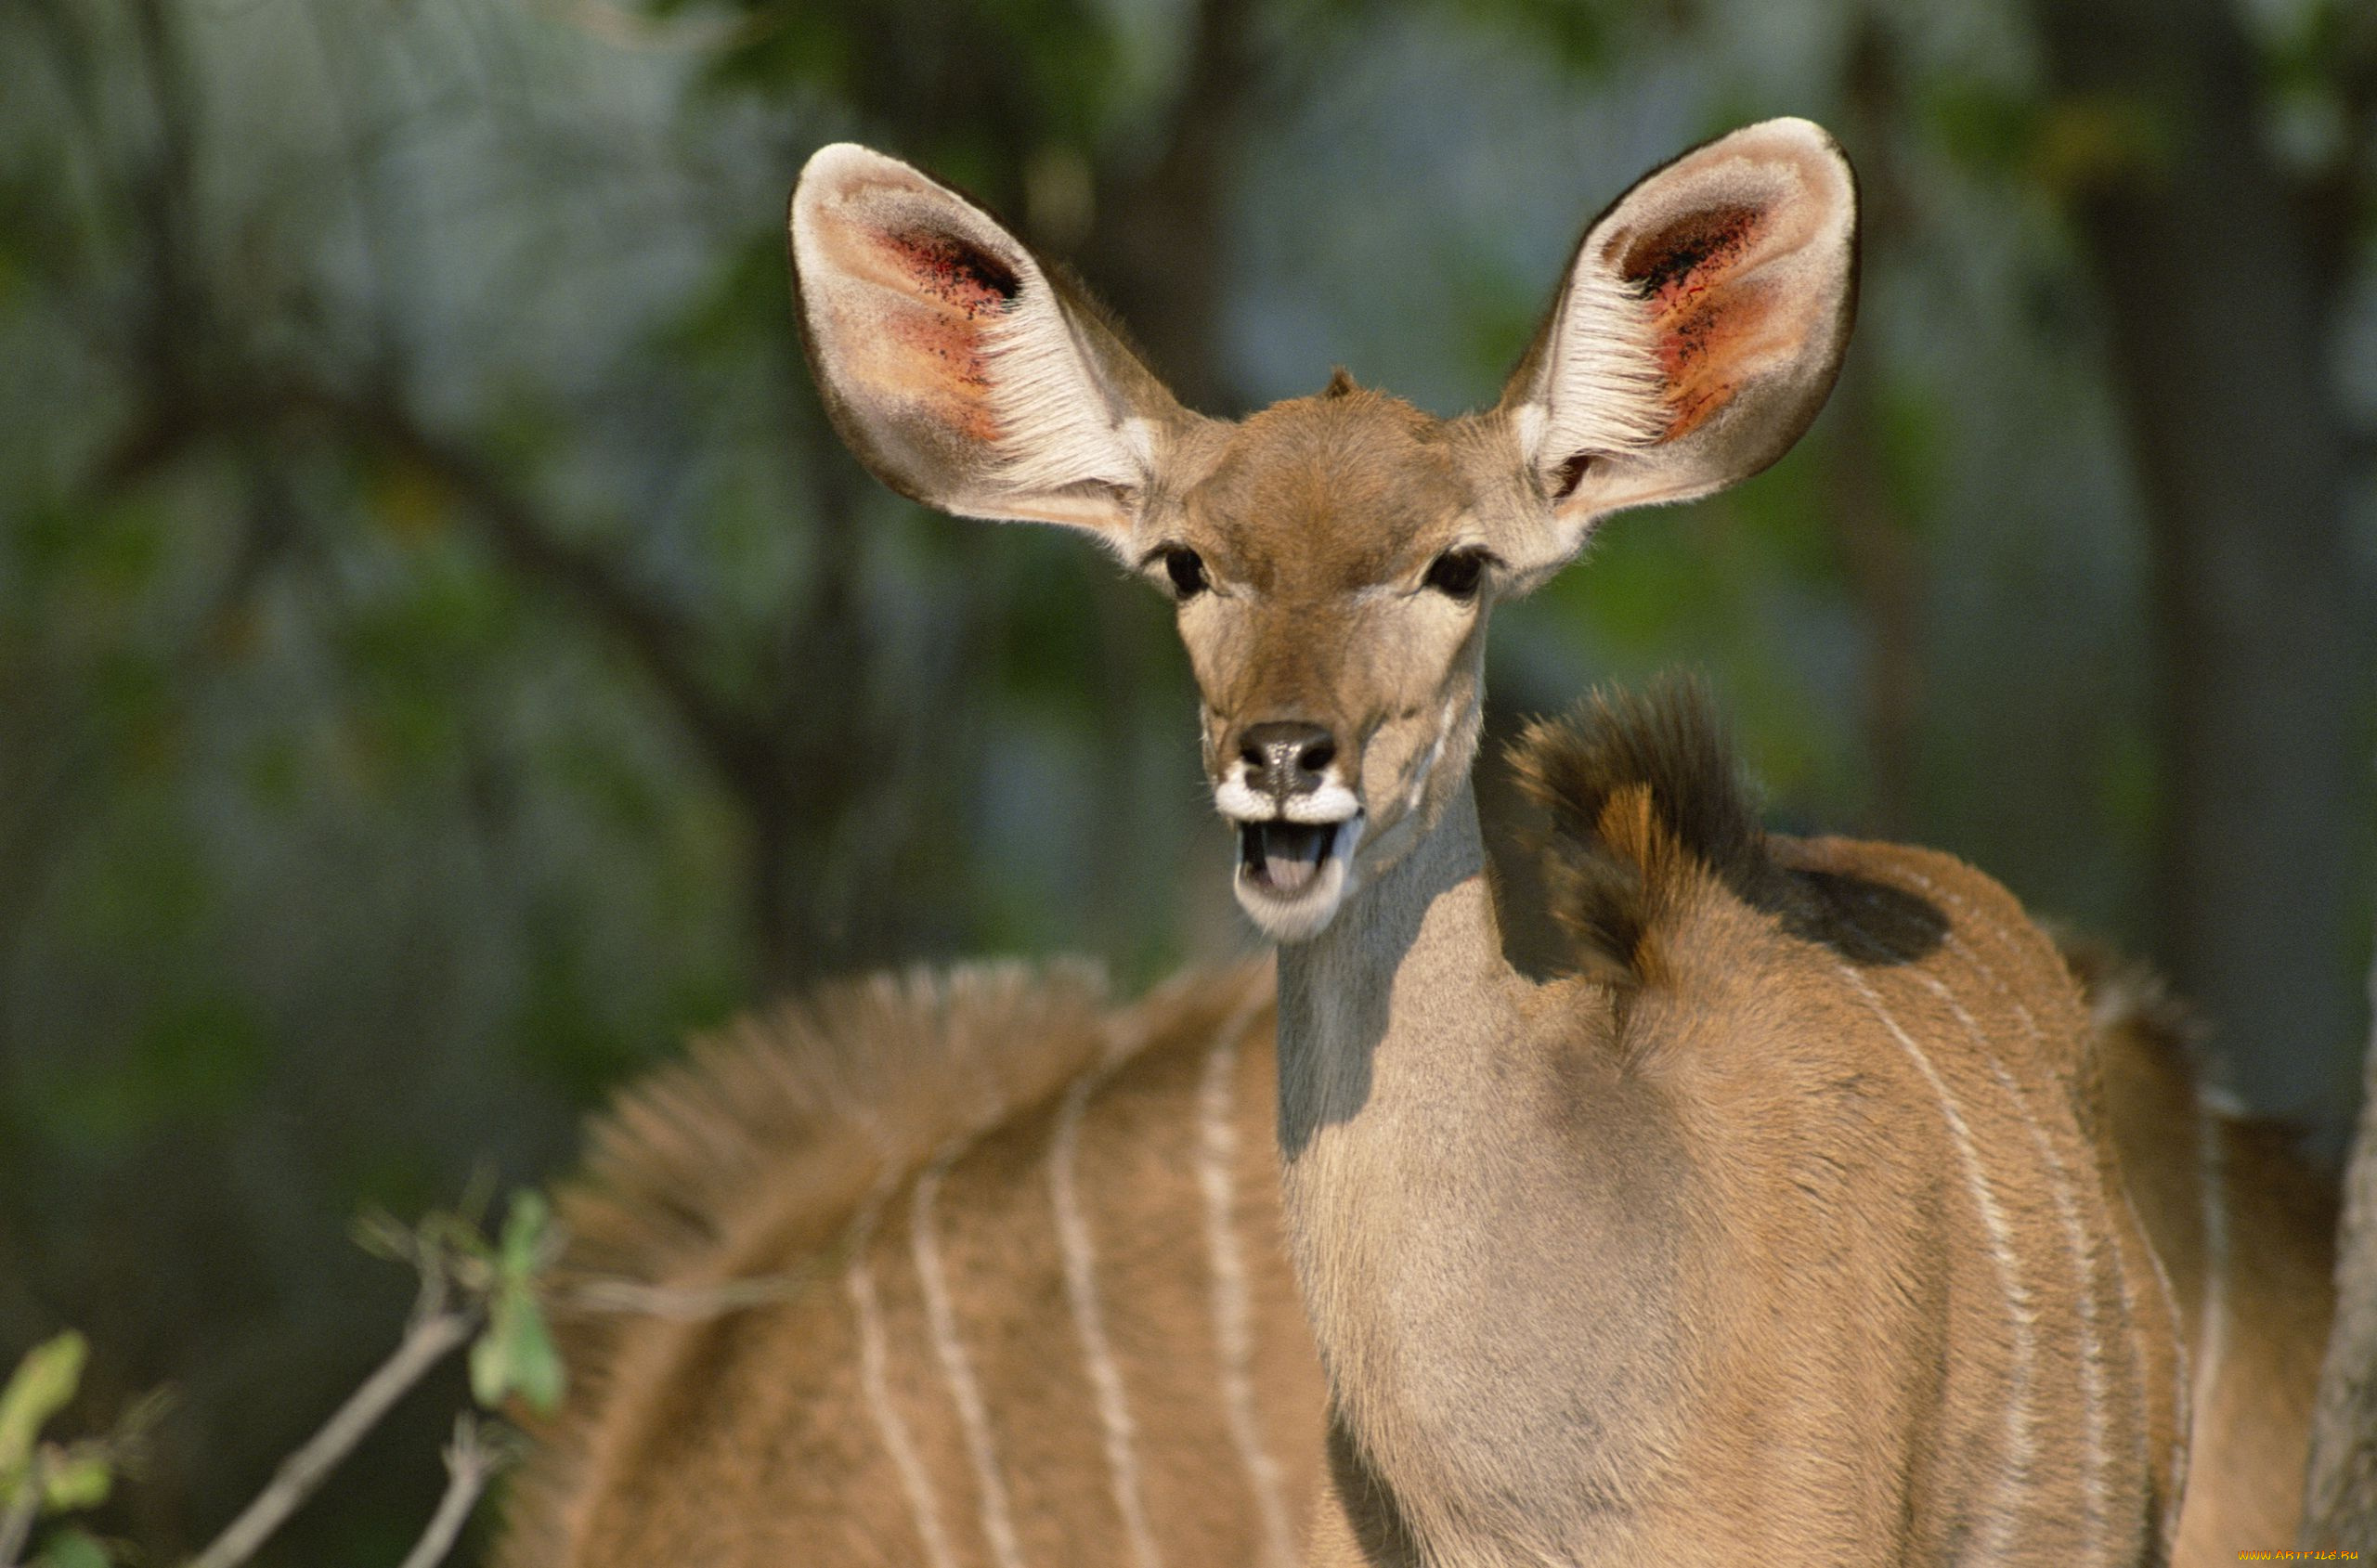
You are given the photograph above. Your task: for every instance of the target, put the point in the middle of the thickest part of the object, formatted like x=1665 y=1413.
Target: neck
x=1468 y=1188
x=1414 y=950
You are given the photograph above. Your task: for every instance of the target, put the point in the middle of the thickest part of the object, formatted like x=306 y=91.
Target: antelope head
x=1334 y=558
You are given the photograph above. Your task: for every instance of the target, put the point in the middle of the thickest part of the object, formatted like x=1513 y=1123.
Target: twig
x=607 y=1294
x=17 y=1526
x=434 y=1333
x=471 y=1463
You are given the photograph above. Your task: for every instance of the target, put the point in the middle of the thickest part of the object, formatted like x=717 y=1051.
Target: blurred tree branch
x=470 y=1287
x=1874 y=534
x=199 y=386
x=436 y=1331
x=739 y=745
x=472 y=1460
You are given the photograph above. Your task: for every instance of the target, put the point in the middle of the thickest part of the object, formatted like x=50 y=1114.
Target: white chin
x=1304 y=912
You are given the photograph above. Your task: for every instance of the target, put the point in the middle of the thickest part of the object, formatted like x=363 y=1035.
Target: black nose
x=1285 y=758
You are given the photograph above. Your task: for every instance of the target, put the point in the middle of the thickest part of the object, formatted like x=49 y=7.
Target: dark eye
x=1455 y=574
x=1187 y=569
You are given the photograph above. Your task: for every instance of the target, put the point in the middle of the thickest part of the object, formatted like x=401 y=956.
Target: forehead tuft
x=1349 y=481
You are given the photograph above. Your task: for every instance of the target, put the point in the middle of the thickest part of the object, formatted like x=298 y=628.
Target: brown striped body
x=1036 y=1308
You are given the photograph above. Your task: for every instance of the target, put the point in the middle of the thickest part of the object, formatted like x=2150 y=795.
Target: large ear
x=953 y=364
x=1698 y=331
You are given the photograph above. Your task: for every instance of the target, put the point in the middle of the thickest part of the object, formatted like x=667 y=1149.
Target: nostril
x=1286 y=756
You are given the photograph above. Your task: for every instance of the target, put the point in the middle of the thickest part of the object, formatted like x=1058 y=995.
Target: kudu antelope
x=1790 y=1227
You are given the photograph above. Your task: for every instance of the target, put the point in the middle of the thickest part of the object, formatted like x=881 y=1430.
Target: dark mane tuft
x=1639 y=788
x=1643 y=797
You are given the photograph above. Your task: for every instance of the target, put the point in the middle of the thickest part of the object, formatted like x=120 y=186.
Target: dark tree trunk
x=1156 y=253
x=1872 y=530
x=2217 y=303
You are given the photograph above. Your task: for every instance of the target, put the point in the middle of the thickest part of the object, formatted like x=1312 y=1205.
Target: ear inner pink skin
x=955 y=286
x=957 y=392
x=960 y=274
x=1704 y=319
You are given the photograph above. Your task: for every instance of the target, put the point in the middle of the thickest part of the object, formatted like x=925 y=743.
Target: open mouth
x=1283 y=859
x=1291 y=875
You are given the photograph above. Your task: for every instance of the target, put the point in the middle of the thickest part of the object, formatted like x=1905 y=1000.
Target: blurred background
x=445 y=657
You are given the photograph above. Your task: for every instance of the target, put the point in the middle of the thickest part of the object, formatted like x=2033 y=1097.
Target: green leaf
x=80 y=1478
x=44 y=1384
x=491 y=1359
x=516 y=1354
x=72 y=1548
x=523 y=1235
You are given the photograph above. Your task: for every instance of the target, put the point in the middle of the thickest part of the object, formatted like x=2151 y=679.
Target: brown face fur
x=1317 y=523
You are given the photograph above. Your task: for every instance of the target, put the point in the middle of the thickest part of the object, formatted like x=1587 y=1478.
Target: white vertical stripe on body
x=1081 y=1290
x=998 y=1523
x=873 y=1355
x=1216 y=1163
x=2020 y=1414
x=2182 y=1406
x=2092 y=1347
x=2212 y=1168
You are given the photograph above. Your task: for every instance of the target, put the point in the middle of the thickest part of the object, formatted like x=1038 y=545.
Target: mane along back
x=800 y=1109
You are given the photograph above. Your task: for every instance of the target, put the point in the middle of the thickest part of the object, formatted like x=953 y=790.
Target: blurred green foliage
x=514 y=1353
x=42 y=1477
x=445 y=656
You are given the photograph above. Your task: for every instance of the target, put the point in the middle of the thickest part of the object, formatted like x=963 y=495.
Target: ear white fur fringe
x=1599 y=389
x=1058 y=423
